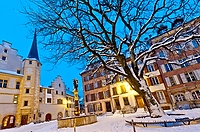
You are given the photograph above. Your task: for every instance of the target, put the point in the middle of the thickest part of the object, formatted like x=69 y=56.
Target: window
x=96 y=85
x=59 y=101
x=160 y=96
x=5 y=51
x=95 y=75
x=196 y=94
x=185 y=64
x=87 y=87
x=190 y=77
x=126 y=102
x=168 y=67
x=87 y=98
x=49 y=91
x=107 y=94
x=62 y=92
x=25 y=103
x=3 y=58
x=123 y=89
x=3 y=83
x=18 y=71
x=59 y=85
x=114 y=91
x=48 y=100
x=40 y=100
x=194 y=43
x=30 y=62
x=150 y=68
x=27 y=90
x=198 y=57
x=40 y=89
x=154 y=80
x=56 y=91
x=90 y=108
x=92 y=97
x=28 y=77
x=17 y=85
x=100 y=94
x=15 y=99
x=172 y=81
x=98 y=107
x=179 y=97
x=38 y=64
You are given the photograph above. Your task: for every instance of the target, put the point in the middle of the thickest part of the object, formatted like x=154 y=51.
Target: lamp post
x=76 y=106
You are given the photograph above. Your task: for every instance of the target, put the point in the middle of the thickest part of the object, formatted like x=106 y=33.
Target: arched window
x=179 y=97
x=196 y=94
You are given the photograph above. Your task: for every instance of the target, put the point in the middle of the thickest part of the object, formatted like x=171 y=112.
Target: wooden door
x=48 y=117
x=24 y=119
x=140 y=102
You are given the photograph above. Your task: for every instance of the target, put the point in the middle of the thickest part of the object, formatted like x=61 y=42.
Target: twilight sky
x=12 y=29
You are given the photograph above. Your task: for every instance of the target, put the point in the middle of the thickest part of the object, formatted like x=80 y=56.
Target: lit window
x=123 y=89
x=172 y=81
x=15 y=99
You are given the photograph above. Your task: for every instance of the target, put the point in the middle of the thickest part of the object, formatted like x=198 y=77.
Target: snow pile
x=116 y=123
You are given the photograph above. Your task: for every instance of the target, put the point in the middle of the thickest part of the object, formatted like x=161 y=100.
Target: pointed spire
x=33 y=51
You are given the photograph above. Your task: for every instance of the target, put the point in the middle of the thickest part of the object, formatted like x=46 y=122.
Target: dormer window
x=5 y=51
x=3 y=58
x=18 y=72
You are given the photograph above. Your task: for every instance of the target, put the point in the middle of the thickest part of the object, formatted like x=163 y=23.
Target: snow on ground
x=115 y=123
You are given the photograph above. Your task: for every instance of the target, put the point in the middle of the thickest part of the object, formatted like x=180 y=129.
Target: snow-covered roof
x=10 y=72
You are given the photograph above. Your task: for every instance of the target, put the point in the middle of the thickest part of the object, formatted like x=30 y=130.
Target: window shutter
x=168 y=81
x=182 y=75
x=163 y=68
x=176 y=79
x=155 y=66
x=197 y=74
x=145 y=69
x=160 y=79
x=148 y=80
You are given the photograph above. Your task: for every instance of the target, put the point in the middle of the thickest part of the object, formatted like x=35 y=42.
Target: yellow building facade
x=22 y=99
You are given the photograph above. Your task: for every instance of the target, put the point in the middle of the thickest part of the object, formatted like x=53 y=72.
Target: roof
x=33 y=51
x=10 y=72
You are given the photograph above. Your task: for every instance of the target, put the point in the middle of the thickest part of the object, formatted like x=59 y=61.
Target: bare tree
x=109 y=31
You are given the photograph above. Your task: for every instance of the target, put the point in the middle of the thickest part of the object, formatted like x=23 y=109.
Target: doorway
x=108 y=107
x=8 y=121
x=139 y=101
x=24 y=119
x=48 y=117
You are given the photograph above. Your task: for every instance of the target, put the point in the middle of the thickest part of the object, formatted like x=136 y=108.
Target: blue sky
x=13 y=30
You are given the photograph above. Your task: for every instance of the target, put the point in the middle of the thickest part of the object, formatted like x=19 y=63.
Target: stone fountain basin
x=77 y=121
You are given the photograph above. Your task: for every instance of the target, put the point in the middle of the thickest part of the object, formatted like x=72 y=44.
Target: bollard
x=134 y=130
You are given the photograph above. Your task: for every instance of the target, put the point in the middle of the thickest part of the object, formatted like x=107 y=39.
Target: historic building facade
x=22 y=98
x=173 y=86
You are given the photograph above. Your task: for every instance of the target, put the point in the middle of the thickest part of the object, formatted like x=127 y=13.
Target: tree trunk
x=151 y=103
